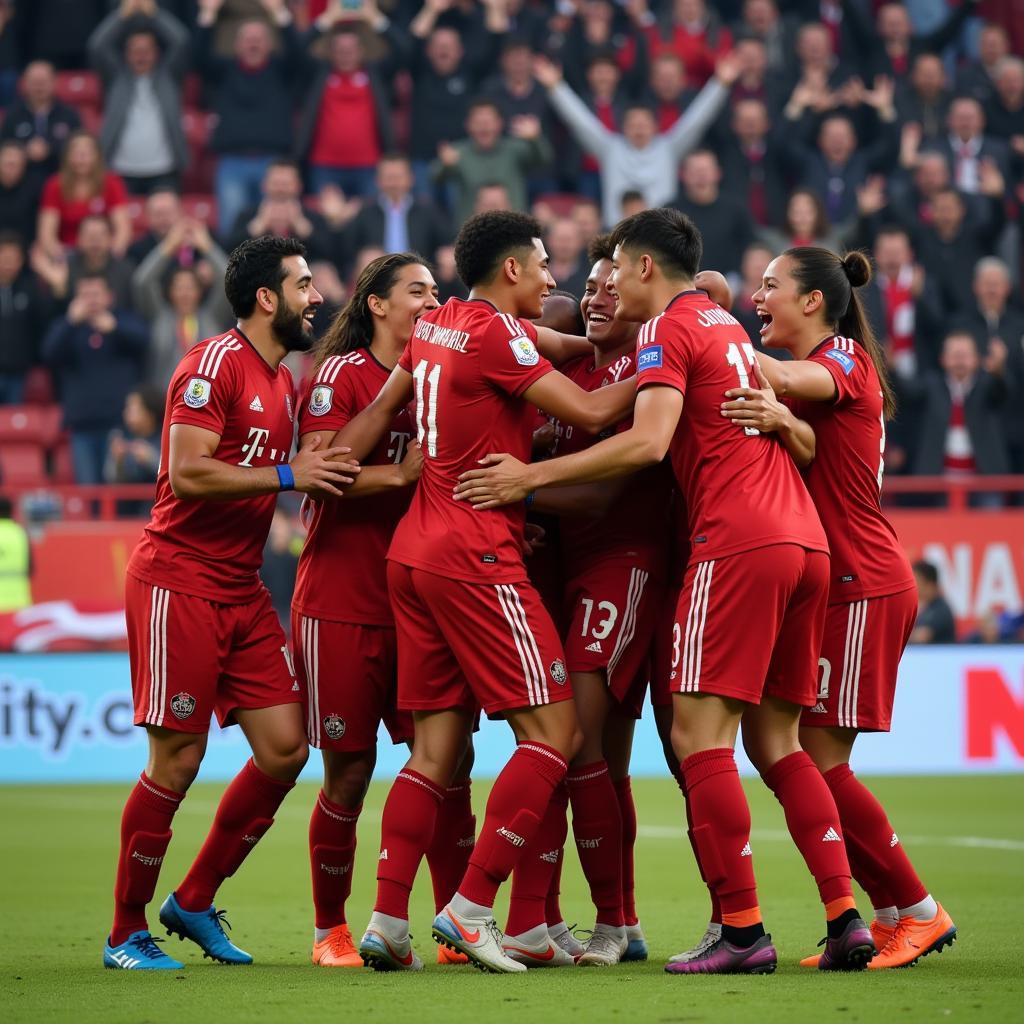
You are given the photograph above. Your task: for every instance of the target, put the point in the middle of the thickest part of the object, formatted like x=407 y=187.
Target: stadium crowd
x=142 y=140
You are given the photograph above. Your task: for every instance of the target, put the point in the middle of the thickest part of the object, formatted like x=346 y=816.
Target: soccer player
x=202 y=635
x=838 y=382
x=341 y=617
x=756 y=541
x=471 y=630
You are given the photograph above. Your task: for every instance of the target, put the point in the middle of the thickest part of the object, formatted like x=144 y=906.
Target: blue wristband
x=529 y=498
x=285 y=478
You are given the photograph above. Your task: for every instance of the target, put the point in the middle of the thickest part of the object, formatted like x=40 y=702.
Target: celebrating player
x=202 y=635
x=838 y=383
x=471 y=630
x=345 y=636
x=756 y=542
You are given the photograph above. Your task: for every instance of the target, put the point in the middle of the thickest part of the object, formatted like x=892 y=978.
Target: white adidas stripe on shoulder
x=214 y=355
x=515 y=328
x=332 y=365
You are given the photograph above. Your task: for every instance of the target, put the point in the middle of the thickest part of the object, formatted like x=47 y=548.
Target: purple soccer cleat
x=851 y=951
x=725 y=958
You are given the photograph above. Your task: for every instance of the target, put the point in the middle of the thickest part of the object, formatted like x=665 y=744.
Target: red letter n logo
x=992 y=709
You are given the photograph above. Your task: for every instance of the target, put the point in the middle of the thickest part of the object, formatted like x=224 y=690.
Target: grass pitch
x=57 y=851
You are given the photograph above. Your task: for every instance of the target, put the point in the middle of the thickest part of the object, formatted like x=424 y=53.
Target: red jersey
x=741 y=488
x=470 y=365
x=846 y=475
x=636 y=527
x=213 y=549
x=342 y=574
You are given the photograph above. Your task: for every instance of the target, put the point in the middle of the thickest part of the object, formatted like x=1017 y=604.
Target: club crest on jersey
x=842 y=359
x=525 y=351
x=182 y=705
x=649 y=358
x=197 y=393
x=557 y=670
x=320 y=400
x=334 y=726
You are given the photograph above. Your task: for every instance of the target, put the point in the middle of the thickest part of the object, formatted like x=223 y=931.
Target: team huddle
x=505 y=518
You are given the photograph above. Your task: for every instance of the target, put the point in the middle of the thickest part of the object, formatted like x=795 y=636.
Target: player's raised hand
x=756 y=407
x=502 y=480
x=319 y=471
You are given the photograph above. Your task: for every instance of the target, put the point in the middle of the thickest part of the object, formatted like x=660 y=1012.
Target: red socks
x=889 y=877
x=454 y=838
x=627 y=812
x=597 y=826
x=721 y=833
x=332 y=848
x=536 y=870
x=406 y=830
x=246 y=811
x=552 y=905
x=518 y=801
x=145 y=834
x=716 y=907
x=813 y=822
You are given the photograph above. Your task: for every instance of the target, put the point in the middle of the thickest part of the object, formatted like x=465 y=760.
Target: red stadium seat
x=198 y=127
x=22 y=465
x=38 y=386
x=201 y=206
x=192 y=93
x=63 y=468
x=29 y=424
x=80 y=89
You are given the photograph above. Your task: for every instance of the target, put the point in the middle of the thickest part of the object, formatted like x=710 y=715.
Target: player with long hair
x=342 y=622
x=837 y=382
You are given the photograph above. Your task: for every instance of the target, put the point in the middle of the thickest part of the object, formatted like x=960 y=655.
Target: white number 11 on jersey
x=735 y=358
x=426 y=401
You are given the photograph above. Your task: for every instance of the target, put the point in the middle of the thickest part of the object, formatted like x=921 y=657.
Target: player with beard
x=203 y=638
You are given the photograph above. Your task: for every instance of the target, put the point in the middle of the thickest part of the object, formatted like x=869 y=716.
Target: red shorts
x=191 y=658
x=610 y=610
x=469 y=645
x=350 y=675
x=750 y=625
x=663 y=644
x=860 y=656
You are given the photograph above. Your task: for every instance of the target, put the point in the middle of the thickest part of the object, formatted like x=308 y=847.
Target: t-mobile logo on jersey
x=256 y=445
x=399 y=444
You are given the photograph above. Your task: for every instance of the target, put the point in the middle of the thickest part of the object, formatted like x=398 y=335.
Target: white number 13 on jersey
x=743 y=361
x=426 y=405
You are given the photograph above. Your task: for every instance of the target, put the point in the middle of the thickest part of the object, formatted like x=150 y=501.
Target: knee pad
x=709 y=857
x=143 y=854
x=231 y=857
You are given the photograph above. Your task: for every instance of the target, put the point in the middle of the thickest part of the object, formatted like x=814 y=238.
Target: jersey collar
x=682 y=295
x=242 y=336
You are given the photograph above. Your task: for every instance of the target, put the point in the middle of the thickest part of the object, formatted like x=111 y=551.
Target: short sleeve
x=114 y=192
x=328 y=405
x=51 y=198
x=661 y=355
x=509 y=359
x=847 y=362
x=203 y=401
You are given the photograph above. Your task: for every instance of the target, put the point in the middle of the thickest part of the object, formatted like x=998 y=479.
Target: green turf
x=57 y=850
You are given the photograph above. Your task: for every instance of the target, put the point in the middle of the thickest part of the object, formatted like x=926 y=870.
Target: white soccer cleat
x=562 y=936
x=545 y=953
x=479 y=938
x=707 y=940
x=605 y=948
x=386 y=949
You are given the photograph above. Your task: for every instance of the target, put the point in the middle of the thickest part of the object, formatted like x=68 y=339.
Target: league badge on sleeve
x=845 y=361
x=525 y=351
x=320 y=400
x=650 y=358
x=197 y=393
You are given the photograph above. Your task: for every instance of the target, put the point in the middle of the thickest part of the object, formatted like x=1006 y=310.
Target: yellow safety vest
x=15 y=588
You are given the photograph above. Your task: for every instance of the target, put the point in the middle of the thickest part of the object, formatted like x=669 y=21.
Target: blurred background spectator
x=934 y=616
x=38 y=120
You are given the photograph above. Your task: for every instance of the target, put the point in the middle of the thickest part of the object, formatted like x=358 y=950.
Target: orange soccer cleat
x=880 y=932
x=451 y=957
x=914 y=939
x=337 y=949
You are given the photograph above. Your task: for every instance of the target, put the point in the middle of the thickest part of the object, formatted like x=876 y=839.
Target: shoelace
x=219 y=919
x=495 y=932
x=342 y=942
x=148 y=947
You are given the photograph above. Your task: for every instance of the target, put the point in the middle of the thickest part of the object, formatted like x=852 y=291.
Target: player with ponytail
x=837 y=382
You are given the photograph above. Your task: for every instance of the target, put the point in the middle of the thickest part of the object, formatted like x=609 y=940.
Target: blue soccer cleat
x=139 y=952
x=205 y=928
x=637 y=948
